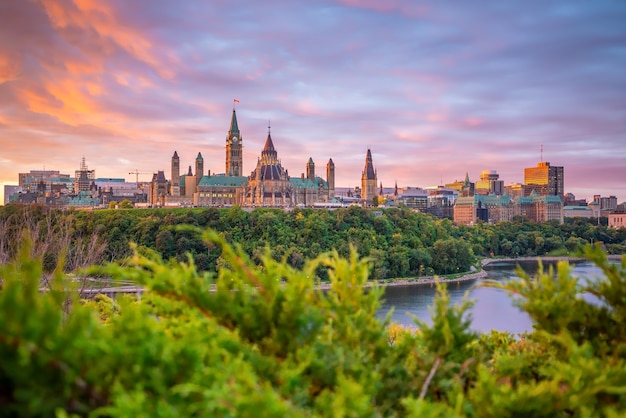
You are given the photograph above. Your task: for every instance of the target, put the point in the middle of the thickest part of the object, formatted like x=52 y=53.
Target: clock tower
x=234 y=149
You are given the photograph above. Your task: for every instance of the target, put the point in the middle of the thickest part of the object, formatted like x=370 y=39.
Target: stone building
x=268 y=185
x=369 y=179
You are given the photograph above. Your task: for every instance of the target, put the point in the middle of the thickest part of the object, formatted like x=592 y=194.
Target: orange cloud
x=9 y=68
x=101 y=18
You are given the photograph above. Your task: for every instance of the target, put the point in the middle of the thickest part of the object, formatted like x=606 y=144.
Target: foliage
x=401 y=242
x=125 y=204
x=260 y=339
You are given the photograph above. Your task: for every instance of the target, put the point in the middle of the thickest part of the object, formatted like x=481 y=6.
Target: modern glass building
x=545 y=180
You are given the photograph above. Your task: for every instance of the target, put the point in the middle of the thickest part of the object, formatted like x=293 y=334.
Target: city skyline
x=433 y=91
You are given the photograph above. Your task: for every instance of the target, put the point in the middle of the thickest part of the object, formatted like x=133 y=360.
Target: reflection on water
x=492 y=309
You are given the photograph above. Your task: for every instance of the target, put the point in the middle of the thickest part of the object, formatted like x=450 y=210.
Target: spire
x=190 y=173
x=175 y=155
x=369 y=166
x=199 y=157
x=269 y=146
x=467 y=180
x=234 y=127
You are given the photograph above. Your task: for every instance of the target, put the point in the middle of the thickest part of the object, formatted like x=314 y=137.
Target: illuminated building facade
x=545 y=180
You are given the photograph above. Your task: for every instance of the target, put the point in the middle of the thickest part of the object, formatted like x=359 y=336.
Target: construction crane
x=137 y=173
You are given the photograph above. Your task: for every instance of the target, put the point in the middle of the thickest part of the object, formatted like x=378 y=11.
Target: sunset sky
x=435 y=89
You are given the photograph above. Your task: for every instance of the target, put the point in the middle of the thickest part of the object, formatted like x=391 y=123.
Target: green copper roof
x=300 y=183
x=234 y=128
x=491 y=200
x=552 y=199
x=223 y=181
x=579 y=208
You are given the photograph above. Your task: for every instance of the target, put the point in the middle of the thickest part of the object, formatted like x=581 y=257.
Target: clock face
x=235 y=139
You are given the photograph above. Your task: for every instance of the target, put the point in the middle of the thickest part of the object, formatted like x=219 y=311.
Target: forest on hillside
x=398 y=242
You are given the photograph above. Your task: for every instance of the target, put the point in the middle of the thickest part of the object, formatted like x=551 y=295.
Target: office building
x=545 y=180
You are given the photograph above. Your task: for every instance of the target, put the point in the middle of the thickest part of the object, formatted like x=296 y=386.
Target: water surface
x=493 y=308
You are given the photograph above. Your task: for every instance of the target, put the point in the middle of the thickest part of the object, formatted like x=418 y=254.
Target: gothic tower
x=199 y=168
x=368 y=179
x=268 y=184
x=175 y=186
x=234 y=152
x=310 y=170
x=330 y=178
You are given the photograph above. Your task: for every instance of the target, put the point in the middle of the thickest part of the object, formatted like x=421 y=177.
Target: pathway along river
x=493 y=308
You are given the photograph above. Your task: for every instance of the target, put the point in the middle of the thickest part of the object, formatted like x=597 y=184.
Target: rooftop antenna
x=269 y=126
x=541 y=153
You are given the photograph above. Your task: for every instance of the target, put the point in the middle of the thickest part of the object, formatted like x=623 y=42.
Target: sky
x=435 y=89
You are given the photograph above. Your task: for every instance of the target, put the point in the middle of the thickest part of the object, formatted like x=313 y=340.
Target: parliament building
x=268 y=185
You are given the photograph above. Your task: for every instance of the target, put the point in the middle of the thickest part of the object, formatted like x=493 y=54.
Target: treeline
x=399 y=242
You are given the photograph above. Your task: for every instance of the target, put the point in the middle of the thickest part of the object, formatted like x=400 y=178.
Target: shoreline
x=471 y=275
x=421 y=281
x=487 y=261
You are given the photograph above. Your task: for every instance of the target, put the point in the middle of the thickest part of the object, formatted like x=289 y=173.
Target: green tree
x=125 y=204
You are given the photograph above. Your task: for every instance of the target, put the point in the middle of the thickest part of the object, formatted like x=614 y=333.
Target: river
x=493 y=308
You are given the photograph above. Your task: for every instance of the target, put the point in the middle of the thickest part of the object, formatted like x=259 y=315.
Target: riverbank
x=472 y=275
x=487 y=261
x=418 y=281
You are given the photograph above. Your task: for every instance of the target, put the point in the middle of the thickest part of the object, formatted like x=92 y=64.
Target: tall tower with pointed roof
x=330 y=178
x=234 y=149
x=199 y=168
x=175 y=186
x=467 y=189
x=369 y=179
x=310 y=169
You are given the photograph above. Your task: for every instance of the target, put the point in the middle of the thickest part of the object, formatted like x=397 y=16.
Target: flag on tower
x=235 y=101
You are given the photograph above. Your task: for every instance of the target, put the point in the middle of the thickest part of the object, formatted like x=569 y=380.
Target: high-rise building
x=368 y=179
x=51 y=178
x=545 y=180
x=606 y=203
x=175 y=184
x=514 y=189
x=234 y=151
x=489 y=183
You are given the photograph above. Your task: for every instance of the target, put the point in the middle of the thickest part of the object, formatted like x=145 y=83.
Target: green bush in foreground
x=262 y=341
